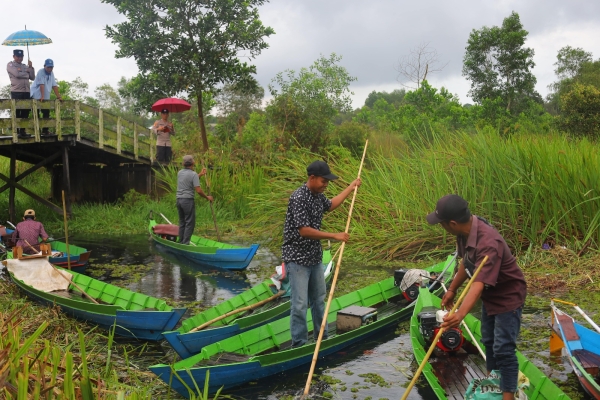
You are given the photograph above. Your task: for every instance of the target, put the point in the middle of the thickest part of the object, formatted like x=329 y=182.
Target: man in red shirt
x=29 y=231
x=500 y=284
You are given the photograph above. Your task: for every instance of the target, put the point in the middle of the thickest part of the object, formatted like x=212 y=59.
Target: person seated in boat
x=302 y=252
x=500 y=284
x=28 y=232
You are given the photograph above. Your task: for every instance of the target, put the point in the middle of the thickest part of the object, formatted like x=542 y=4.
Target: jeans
x=187 y=219
x=308 y=286
x=499 y=336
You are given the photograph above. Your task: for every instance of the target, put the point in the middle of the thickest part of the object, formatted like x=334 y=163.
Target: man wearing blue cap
x=19 y=75
x=42 y=86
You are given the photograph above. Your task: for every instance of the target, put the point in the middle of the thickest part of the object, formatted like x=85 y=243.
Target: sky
x=370 y=36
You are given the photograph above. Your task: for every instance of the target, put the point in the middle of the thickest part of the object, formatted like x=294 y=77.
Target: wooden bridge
x=93 y=155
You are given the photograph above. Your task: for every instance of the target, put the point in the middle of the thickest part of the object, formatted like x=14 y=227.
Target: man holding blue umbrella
x=19 y=75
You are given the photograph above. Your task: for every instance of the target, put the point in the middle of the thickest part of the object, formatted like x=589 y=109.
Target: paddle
x=69 y=280
x=66 y=231
x=212 y=210
x=332 y=290
x=439 y=334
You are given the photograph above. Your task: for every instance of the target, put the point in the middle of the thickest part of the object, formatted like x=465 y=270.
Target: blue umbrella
x=26 y=38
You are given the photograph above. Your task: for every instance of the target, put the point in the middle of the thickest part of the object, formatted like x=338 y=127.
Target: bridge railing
x=70 y=117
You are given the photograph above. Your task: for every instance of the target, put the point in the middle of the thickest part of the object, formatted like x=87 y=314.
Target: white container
x=439 y=315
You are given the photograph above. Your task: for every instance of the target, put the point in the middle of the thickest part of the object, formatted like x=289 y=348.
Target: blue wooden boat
x=266 y=351
x=202 y=250
x=583 y=349
x=187 y=342
x=79 y=256
x=132 y=314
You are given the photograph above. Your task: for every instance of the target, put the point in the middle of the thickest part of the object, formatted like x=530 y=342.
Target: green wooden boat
x=266 y=350
x=449 y=376
x=187 y=343
x=133 y=314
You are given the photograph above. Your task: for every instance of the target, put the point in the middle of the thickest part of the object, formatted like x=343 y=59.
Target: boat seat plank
x=587 y=358
x=568 y=328
x=224 y=358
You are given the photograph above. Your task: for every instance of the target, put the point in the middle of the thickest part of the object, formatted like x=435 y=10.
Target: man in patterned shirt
x=28 y=232
x=302 y=252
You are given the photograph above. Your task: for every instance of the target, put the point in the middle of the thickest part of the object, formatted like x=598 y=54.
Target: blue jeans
x=499 y=336
x=308 y=287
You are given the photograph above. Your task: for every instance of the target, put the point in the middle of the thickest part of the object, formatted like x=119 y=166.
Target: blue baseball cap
x=48 y=63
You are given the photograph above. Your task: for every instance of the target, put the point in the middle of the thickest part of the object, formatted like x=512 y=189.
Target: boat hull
x=78 y=260
x=261 y=346
x=186 y=343
x=209 y=252
x=139 y=324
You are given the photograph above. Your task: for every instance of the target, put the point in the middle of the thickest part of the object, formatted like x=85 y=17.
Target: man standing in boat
x=500 y=284
x=302 y=252
x=188 y=183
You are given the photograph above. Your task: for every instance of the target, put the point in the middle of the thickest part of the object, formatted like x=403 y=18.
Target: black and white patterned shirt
x=304 y=209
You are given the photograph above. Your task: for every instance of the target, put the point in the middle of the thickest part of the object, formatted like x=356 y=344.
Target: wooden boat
x=187 y=343
x=132 y=314
x=583 y=349
x=449 y=372
x=266 y=350
x=79 y=255
x=202 y=250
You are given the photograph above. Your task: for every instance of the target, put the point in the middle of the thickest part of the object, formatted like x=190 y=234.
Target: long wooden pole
x=66 y=231
x=212 y=210
x=335 y=276
x=439 y=334
x=69 y=280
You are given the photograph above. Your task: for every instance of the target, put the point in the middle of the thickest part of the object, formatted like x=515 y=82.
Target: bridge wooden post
x=66 y=178
x=119 y=135
x=100 y=129
x=135 y=141
x=11 y=190
x=36 y=120
x=77 y=121
x=58 y=121
x=13 y=117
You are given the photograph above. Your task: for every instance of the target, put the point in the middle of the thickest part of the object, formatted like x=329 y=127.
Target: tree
x=189 y=46
x=235 y=103
x=569 y=61
x=414 y=67
x=395 y=97
x=499 y=65
x=581 y=111
x=304 y=105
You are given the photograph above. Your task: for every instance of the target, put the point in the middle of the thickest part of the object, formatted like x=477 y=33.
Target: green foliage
x=258 y=135
x=351 y=135
x=304 y=105
x=499 y=65
x=394 y=97
x=186 y=46
x=581 y=111
x=569 y=61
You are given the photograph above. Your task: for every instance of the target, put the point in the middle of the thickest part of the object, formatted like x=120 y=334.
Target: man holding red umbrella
x=163 y=129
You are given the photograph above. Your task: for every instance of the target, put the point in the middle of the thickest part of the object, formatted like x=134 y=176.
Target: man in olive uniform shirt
x=163 y=129
x=500 y=284
x=19 y=75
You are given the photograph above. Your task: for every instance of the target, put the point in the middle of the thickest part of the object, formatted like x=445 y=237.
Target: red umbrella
x=172 y=104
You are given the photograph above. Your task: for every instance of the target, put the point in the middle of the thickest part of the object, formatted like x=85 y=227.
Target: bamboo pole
x=239 y=310
x=580 y=311
x=439 y=334
x=66 y=231
x=333 y=283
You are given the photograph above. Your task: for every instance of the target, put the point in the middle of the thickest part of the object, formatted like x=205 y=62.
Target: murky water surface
x=377 y=368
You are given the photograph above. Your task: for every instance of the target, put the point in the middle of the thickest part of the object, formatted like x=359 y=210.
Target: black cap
x=320 y=168
x=451 y=207
x=164 y=111
x=18 y=53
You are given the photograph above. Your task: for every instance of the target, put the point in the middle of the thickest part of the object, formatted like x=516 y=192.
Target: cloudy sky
x=370 y=35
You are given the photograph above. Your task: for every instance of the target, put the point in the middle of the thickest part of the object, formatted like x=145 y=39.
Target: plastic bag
x=489 y=388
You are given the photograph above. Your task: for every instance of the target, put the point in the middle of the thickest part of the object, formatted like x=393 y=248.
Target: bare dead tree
x=414 y=67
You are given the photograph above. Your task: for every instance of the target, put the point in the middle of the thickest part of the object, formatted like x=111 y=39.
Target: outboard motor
x=409 y=290
x=430 y=320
